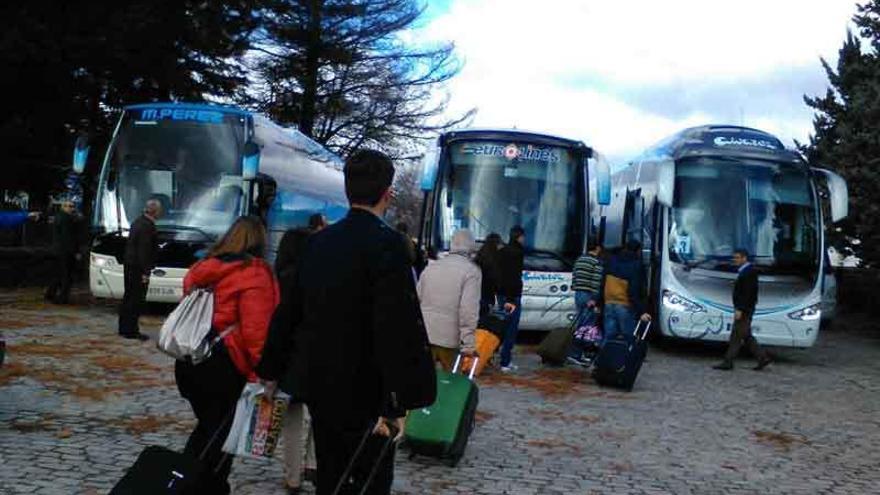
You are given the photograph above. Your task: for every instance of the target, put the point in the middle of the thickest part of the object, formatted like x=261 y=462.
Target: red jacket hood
x=209 y=272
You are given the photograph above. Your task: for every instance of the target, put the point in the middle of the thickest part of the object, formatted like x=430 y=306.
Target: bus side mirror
x=250 y=160
x=839 y=193
x=80 y=154
x=603 y=179
x=666 y=182
x=430 y=165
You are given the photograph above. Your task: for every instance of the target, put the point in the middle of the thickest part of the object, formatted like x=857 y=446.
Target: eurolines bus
x=207 y=165
x=490 y=180
x=698 y=195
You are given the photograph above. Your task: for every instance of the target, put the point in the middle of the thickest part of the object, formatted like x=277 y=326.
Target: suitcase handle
x=473 y=366
x=645 y=333
x=357 y=453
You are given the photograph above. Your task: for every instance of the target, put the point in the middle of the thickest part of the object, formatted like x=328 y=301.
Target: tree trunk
x=308 y=111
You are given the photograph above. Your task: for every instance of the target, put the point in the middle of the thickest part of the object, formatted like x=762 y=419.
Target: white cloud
x=607 y=72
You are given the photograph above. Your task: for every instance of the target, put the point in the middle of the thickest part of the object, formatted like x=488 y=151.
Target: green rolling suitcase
x=442 y=430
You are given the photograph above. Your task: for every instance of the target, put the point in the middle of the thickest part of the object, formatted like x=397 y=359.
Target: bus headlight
x=677 y=302
x=103 y=261
x=813 y=312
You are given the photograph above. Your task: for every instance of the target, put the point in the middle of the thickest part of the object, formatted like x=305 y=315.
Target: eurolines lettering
x=757 y=143
x=514 y=152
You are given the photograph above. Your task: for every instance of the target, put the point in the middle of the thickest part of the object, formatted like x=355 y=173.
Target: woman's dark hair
x=290 y=251
x=246 y=237
x=368 y=174
x=488 y=253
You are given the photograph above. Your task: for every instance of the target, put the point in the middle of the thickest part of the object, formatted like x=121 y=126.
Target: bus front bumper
x=107 y=280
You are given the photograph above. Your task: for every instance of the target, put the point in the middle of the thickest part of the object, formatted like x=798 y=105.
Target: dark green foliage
x=846 y=135
x=69 y=67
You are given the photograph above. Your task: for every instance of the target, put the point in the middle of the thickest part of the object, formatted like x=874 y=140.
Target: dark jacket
x=350 y=339
x=510 y=265
x=745 y=290
x=143 y=244
x=624 y=282
x=65 y=234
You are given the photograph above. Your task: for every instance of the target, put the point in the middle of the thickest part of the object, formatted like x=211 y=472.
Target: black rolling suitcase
x=620 y=359
x=348 y=482
x=556 y=345
x=162 y=471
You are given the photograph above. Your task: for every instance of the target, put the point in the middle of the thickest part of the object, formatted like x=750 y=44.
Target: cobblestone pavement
x=77 y=404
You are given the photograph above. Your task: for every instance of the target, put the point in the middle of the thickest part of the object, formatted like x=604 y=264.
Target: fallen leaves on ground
x=555 y=444
x=780 y=440
x=561 y=416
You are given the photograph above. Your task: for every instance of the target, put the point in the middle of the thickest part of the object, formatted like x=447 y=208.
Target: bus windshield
x=767 y=208
x=191 y=166
x=492 y=186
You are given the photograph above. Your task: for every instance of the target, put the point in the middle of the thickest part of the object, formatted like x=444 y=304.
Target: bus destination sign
x=206 y=116
x=513 y=151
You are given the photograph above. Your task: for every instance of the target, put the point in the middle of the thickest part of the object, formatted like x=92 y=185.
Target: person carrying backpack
x=245 y=295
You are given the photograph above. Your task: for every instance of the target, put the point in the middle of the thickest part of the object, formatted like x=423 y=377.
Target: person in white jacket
x=449 y=291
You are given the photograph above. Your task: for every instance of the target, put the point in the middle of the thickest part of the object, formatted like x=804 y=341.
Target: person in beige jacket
x=449 y=291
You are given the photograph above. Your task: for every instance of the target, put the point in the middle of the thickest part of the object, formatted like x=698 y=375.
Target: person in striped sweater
x=587 y=279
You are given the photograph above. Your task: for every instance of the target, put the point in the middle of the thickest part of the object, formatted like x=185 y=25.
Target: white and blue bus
x=491 y=180
x=705 y=191
x=207 y=165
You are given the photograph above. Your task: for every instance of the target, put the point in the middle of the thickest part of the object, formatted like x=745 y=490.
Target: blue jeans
x=619 y=319
x=511 y=330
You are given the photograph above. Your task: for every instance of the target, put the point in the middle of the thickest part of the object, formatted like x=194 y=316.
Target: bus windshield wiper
x=207 y=236
x=550 y=254
x=699 y=264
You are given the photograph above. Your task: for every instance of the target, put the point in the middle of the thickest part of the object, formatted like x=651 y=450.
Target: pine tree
x=70 y=66
x=340 y=72
x=846 y=137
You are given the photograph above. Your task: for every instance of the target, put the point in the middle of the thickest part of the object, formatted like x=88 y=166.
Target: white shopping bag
x=185 y=331
x=257 y=423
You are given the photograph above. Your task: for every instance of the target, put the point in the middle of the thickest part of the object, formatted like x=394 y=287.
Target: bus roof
x=190 y=106
x=727 y=140
x=506 y=134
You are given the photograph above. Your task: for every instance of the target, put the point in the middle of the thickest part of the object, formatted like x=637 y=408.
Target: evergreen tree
x=340 y=71
x=70 y=66
x=846 y=137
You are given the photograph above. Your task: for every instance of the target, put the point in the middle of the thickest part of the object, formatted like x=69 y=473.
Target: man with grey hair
x=449 y=291
x=140 y=259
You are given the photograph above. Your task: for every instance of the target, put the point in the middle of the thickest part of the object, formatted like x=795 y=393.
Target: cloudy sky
x=622 y=75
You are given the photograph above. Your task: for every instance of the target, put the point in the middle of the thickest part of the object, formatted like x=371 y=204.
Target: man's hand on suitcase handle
x=387 y=427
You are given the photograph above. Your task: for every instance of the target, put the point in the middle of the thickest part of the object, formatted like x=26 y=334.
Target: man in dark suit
x=349 y=339
x=745 y=298
x=66 y=245
x=140 y=259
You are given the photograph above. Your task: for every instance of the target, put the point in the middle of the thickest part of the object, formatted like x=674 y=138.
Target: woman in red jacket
x=245 y=296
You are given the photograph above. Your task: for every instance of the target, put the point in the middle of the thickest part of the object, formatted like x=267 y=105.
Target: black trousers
x=212 y=388
x=336 y=440
x=132 y=300
x=742 y=335
x=59 y=291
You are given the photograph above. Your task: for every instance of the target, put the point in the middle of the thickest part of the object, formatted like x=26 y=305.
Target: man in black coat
x=349 y=339
x=140 y=259
x=510 y=263
x=65 y=244
x=745 y=299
